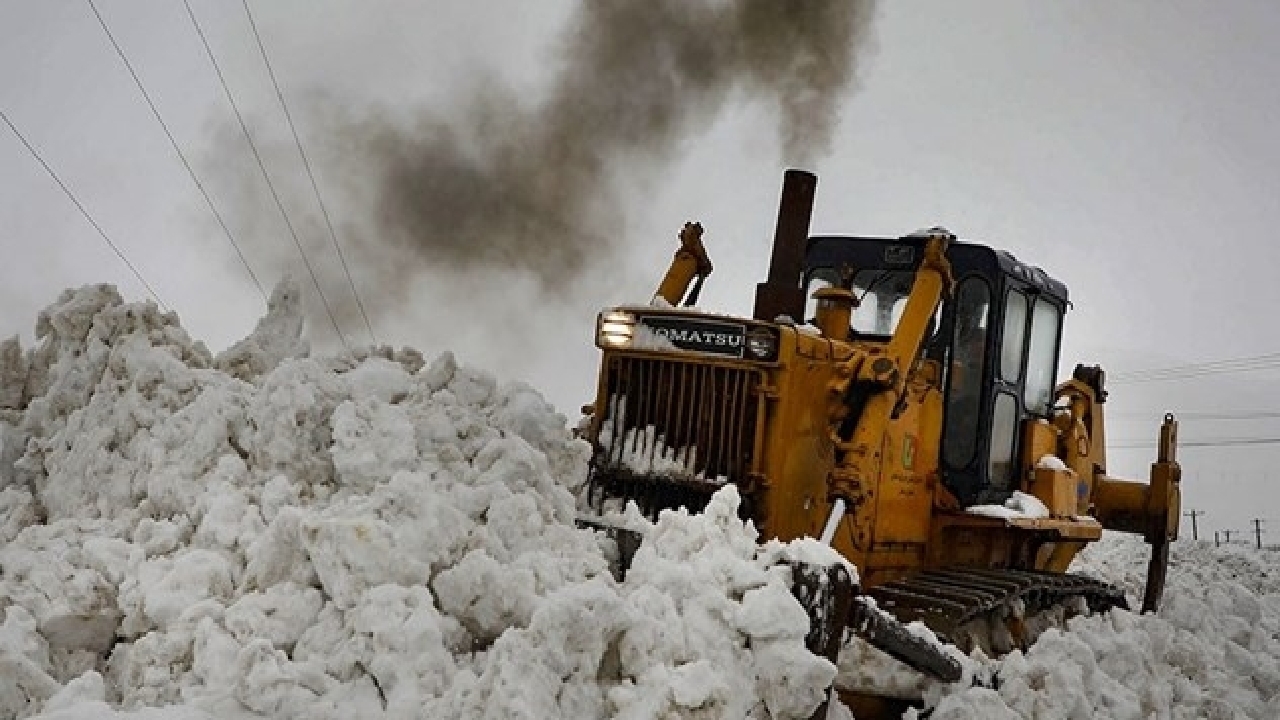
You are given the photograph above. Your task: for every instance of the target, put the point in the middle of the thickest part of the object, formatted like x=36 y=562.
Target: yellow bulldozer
x=896 y=398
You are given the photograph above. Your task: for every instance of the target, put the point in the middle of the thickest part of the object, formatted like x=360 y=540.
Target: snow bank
x=267 y=533
x=264 y=533
x=1211 y=651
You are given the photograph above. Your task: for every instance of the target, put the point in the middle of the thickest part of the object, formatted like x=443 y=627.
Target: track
x=995 y=610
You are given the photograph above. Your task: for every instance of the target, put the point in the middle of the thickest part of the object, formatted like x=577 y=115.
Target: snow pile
x=1211 y=651
x=265 y=533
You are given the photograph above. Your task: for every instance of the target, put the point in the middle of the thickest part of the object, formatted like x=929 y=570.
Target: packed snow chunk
x=165 y=588
x=279 y=554
x=1019 y=505
x=771 y=612
x=371 y=441
x=276 y=338
x=440 y=372
x=553 y=667
x=983 y=704
x=13 y=375
x=291 y=413
x=485 y=595
x=273 y=685
x=381 y=380
x=25 y=680
x=696 y=684
x=703 y=590
x=807 y=551
x=228 y=518
x=522 y=412
x=61 y=585
x=655 y=635
x=17 y=511
x=429 y=527
x=1051 y=462
x=13 y=445
x=88 y=688
x=281 y=614
x=406 y=644
x=354 y=552
x=792 y=680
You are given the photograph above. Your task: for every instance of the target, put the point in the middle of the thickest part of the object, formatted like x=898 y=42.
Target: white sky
x=1127 y=148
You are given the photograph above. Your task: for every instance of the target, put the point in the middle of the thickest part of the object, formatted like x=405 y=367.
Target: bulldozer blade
x=886 y=633
x=1157 y=569
x=835 y=604
x=826 y=594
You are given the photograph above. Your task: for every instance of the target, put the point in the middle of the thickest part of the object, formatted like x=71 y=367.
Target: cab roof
x=905 y=253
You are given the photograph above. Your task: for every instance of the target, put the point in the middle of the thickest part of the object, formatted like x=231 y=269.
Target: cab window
x=1004 y=425
x=1042 y=356
x=968 y=351
x=882 y=296
x=1013 y=337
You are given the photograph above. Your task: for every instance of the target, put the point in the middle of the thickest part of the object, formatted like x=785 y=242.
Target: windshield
x=883 y=295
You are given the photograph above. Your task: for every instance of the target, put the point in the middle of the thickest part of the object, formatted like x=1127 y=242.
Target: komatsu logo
x=700 y=335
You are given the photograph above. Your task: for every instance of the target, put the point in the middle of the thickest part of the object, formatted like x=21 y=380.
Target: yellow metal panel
x=798 y=452
x=1056 y=489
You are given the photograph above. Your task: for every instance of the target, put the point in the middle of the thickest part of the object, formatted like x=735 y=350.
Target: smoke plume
x=521 y=188
x=525 y=187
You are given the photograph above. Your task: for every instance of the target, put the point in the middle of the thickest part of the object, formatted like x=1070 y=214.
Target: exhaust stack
x=781 y=293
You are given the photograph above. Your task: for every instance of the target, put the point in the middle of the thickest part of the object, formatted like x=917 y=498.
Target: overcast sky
x=1127 y=148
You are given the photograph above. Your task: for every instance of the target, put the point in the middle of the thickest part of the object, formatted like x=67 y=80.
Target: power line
x=181 y=156
x=71 y=196
x=1269 y=361
x=244 y=128
x=306 y=163
x=1219 y=442
x=1261 y=415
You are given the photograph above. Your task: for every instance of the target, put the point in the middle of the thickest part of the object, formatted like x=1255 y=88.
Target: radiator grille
x=687 y=421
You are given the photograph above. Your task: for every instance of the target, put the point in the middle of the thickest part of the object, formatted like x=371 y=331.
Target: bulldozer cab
x=996 y=338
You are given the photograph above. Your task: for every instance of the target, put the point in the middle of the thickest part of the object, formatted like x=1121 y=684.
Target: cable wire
x=1218 y=442
x=1269 y=361
x=306 y=163
x=1195 y=416
x=71 y=196
x=181 y=156
x=275 y=195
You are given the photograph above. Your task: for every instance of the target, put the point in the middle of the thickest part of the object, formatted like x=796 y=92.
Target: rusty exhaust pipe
x=781 y=293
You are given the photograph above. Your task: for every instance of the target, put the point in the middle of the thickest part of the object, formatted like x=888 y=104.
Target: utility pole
x=1257 y=531
x=1226 y=536
x=1193 y=514
x=1216 y=542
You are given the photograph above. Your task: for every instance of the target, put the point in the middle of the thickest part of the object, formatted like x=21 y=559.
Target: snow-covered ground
x=264 y=533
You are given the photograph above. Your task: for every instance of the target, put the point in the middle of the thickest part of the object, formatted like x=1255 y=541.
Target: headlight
x=762 y=344
x=615 y=329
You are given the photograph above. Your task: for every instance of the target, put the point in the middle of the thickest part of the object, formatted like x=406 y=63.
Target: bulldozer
x=896 y=398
